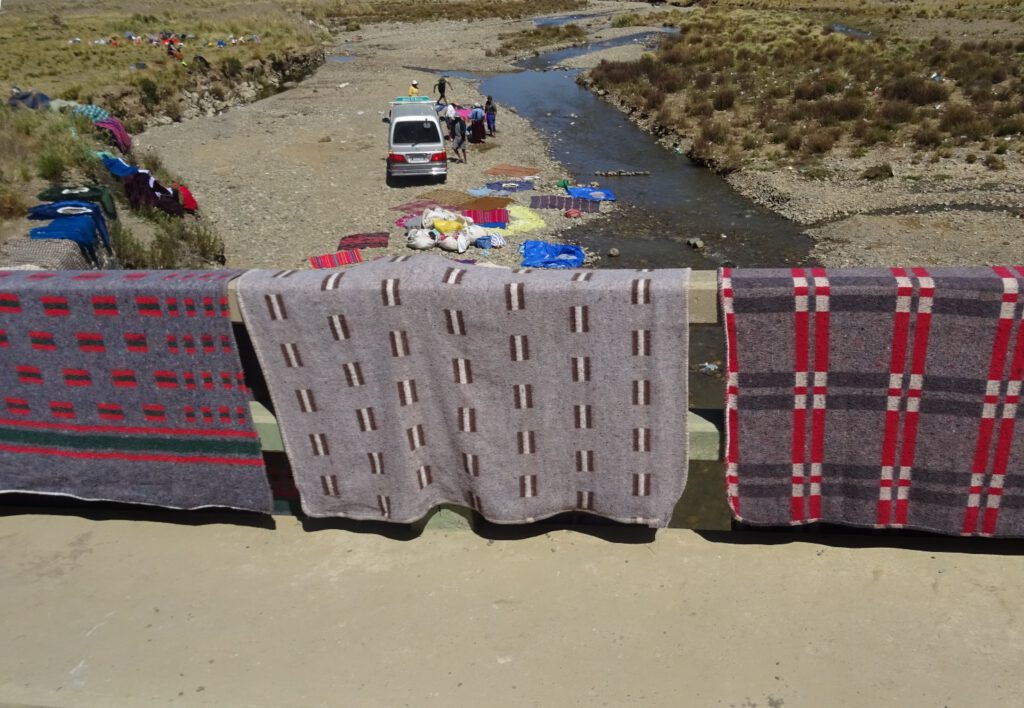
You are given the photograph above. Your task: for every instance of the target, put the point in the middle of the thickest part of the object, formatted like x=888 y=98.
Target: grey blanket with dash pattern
x=406 y=383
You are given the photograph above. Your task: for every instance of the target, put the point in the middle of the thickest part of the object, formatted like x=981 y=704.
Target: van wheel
x=442 y=179
x=389 y=180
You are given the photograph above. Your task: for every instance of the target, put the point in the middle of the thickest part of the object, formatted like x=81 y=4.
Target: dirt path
x=282 y=179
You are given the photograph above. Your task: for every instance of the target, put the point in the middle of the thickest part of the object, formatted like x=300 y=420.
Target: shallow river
x=656 y=214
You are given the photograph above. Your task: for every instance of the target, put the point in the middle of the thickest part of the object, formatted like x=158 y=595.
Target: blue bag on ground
x=541 y=254
x=596 y=194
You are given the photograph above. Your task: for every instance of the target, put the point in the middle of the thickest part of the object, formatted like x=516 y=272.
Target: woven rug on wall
x=876 y=397
x=405 y=383
x=125 y=386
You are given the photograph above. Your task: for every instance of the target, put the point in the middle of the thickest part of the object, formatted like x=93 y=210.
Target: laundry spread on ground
x=377 y=239
x=563 y=203
x=488 y=218
x=511 y=186
x=486 y=203
x=597 y=194
x=89 y=193
x=449 y=197
x=405 y=383
x=522 y=220
x=875 y=397
x=336 y=260
x=126 y=386
x=79 y=229
x=506 y=170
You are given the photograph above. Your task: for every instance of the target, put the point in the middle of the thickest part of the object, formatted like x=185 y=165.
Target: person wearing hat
x=477 y=132
x=441 y=86
x=414 y=88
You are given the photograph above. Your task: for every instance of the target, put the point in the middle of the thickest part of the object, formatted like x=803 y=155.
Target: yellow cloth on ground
x=446 y=227
x=522 y=219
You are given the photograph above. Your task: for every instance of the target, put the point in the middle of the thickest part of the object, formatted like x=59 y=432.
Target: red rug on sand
x=336 y=260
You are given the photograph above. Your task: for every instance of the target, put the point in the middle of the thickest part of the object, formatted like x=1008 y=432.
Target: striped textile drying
x=126 y=386
x=488 y=216
x=875 y=397
x=404 y=383
x=336 y=260
x=564 y=203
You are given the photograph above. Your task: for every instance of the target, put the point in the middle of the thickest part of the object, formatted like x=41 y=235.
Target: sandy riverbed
x=282 y=179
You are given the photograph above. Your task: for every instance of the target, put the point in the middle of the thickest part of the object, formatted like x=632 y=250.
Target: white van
x=416 y=143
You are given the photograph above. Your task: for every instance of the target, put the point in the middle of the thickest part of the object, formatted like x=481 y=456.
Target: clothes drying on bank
x=91 y=193
x=65 y=209
x=117 y=132
x=117 y=167
x=142 y=189
x=80 y=229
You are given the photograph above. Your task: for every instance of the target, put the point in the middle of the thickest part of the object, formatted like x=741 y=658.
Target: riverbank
x=952 y=198
x=282 y=179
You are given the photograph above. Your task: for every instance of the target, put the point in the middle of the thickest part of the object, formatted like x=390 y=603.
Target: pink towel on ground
x=487 y=216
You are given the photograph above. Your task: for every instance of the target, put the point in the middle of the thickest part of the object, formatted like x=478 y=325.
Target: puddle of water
x=340 y=58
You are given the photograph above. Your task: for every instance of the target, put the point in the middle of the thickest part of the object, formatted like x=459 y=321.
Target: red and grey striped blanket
x=875 y=397
x=564 y=203
x=126 y=386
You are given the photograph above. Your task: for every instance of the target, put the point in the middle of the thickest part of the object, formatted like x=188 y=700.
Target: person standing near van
x=476 y=126
x=491 y=110
x=414 y=88
x=441 y=86
x=459 y=138
x=450 y=114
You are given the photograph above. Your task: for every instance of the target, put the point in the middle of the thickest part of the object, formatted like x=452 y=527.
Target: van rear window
x=410 y=131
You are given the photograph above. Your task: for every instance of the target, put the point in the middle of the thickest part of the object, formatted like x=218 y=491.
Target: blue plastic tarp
x=67 y=209
x=594 y=194
x=541 y=254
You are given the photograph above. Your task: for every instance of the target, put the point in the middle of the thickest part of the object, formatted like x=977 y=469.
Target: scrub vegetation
x=540 y=37
x=748 y=83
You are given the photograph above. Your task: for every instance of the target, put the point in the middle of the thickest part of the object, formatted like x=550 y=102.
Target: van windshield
x=412 y=131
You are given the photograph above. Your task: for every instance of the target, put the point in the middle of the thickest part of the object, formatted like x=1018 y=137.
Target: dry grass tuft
x=768 y=68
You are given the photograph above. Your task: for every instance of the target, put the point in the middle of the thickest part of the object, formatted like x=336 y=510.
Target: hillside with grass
x=747 y=84
x=65 y=50
x=43 y=148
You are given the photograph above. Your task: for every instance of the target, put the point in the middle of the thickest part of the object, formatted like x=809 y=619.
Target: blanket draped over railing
x=401 y=384
x=125 y=386
x=876 y=397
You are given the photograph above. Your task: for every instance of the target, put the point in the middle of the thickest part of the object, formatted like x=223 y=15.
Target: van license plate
x=417 y=157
